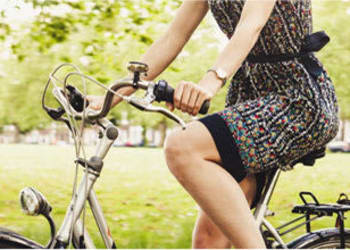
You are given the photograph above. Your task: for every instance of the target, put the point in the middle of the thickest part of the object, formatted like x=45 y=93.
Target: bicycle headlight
x=33 y=202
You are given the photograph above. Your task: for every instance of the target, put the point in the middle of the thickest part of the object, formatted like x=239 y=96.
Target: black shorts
x=230 y=158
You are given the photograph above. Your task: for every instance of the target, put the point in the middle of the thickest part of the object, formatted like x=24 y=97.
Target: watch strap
x=223 y=79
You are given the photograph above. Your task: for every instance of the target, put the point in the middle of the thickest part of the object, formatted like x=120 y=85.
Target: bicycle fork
x=85 y=192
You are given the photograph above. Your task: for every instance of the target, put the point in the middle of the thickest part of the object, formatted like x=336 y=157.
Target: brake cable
x=77 y=134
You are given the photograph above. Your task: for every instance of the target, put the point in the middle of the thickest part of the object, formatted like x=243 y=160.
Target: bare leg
x=192 y=157
x=208 y=235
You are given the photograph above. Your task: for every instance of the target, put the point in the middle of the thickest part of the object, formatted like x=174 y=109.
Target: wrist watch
x=220 y=74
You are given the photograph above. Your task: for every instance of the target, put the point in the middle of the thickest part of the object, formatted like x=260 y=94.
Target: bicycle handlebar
x=72 y=101
x=162 y=91
x=109 y=95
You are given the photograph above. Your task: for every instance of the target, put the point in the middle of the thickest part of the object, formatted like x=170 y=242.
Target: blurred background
x=145 y=207
x=101 y=37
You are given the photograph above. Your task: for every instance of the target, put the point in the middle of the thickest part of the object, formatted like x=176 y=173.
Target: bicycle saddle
x=310 y=158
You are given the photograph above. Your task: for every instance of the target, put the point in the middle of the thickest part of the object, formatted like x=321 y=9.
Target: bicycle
x=74 y=108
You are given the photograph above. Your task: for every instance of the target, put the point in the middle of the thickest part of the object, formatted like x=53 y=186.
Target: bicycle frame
x=261 y=212
x=85 y=193
x=262 y=207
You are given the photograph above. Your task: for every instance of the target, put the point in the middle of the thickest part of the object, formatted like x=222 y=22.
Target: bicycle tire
x=13 y=240
x=321 y=239
x=328 y=243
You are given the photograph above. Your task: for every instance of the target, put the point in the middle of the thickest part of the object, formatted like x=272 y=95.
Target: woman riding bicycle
x=280 y=106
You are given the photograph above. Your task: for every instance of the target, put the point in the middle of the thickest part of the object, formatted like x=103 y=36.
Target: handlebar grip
x=164 y=92
x=76 y=98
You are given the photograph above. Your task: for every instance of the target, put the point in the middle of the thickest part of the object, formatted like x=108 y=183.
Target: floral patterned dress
x=277 y=112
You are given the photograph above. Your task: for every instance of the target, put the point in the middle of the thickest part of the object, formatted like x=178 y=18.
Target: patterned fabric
x=277 y=112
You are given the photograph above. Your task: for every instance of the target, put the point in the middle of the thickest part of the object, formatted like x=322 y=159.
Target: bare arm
x=162 y=52
x=165 y=50
x=254 y=16
x=189 y=97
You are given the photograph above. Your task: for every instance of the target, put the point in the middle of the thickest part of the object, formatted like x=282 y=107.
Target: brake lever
x=62 y=100
x=65 y=120
x=55 y=113
x=144 y=104
x=168 y=114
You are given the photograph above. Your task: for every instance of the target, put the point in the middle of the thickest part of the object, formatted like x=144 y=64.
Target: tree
x=99 y=36
x=333 y=17
x=102 y=36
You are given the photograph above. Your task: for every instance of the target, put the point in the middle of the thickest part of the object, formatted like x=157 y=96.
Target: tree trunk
x=342 y=131
x=162 y=128
x=16 y=134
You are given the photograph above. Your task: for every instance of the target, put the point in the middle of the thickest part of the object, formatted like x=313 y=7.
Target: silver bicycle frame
x=262 y=207
x=101 y=223
x=85 y=193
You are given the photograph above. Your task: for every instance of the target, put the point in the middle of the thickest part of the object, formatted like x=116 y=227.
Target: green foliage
x=102 y=36
x=4 y=30
x=334 y=17
x=48 y=30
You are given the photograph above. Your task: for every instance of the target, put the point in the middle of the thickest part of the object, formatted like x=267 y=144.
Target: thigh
x=196 y=139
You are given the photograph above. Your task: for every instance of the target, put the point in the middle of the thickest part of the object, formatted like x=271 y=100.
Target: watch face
x=221 y=74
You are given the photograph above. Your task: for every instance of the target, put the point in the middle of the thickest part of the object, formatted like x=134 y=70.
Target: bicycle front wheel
x=12 y=240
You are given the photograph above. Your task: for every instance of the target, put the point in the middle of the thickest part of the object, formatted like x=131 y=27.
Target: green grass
x=144 y=205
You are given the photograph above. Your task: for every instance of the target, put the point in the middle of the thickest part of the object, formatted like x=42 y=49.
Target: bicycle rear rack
x=319 y=210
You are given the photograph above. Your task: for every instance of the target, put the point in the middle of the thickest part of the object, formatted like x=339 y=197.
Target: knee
x=172 y=144
x=177 y=151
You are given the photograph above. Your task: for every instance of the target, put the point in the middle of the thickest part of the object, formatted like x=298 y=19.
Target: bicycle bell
x=137 y=68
